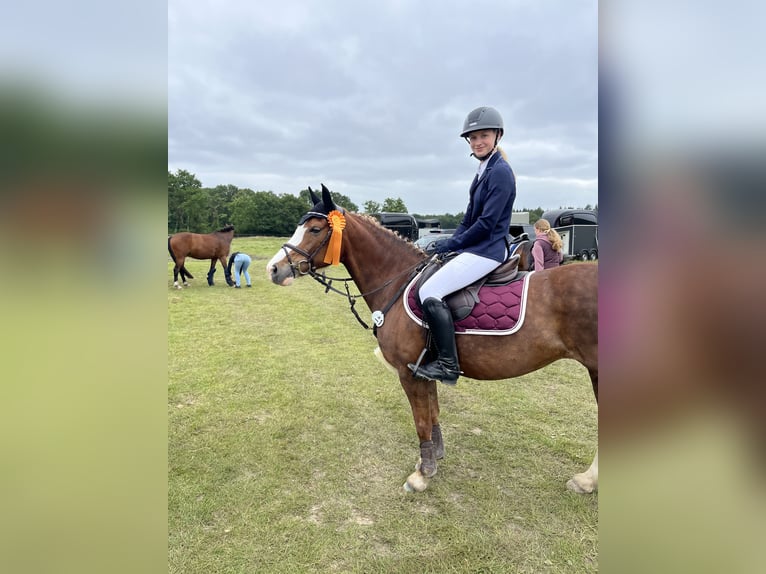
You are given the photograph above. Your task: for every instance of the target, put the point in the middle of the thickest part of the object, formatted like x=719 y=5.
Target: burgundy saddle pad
x=500 y=310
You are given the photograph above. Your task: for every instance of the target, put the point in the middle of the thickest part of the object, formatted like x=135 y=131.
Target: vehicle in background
x=519 y=217
x=518 y=231
x=564 y=217
x=428 y=225
x=578 y=229
x=402 y=223
x=429 y=238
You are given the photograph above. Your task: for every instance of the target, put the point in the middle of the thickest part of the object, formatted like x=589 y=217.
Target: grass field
x=288 y=444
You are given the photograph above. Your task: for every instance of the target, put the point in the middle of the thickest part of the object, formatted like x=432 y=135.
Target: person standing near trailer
x=547 y=249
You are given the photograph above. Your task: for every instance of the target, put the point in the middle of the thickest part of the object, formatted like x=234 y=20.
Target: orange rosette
x=337 y=224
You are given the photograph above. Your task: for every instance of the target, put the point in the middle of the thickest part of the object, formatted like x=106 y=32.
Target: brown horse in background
x=523 y=248
x=561 y=319
x=214 y=246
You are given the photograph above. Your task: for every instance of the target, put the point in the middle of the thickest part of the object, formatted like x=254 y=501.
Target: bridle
x=306 y=267
x=308 y=261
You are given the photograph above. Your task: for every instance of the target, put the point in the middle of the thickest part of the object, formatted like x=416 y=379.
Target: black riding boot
x=445 y=368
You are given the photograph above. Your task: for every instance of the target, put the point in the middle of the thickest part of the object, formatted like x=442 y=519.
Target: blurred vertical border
x=83 y=157
x=682 y=413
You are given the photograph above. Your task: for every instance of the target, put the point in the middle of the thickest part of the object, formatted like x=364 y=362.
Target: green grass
x=289 y=443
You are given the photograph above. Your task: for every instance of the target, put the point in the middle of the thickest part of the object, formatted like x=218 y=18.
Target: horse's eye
x=315 y=230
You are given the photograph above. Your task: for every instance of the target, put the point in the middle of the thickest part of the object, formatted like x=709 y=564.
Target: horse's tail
x=170 y=249
x=173 y=257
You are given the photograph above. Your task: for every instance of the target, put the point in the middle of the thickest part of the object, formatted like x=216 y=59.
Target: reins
x=306 y=267
x=327 y=283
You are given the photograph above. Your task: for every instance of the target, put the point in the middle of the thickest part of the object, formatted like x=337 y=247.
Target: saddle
x=462 y=302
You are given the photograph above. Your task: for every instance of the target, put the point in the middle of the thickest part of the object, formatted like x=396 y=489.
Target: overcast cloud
x=369 y=98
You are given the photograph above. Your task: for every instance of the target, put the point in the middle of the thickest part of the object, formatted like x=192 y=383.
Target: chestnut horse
x=214 y=246
x=561 y=318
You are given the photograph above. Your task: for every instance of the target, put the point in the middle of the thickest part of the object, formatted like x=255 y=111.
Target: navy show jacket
x=488 y=215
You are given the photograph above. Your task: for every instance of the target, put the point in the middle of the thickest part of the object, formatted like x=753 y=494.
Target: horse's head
x=307 y=249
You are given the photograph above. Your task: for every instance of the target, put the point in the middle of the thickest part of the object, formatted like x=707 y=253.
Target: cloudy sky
x=370 y=97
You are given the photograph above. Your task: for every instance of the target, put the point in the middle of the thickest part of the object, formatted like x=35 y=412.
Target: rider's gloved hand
x=436 y=247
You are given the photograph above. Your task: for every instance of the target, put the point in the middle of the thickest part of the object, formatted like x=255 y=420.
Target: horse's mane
x=391 y=236
x=225 y=229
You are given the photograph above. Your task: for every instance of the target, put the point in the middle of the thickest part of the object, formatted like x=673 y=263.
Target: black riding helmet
x=483 y=118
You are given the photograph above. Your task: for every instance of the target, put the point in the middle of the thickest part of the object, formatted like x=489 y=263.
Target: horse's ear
x=327 y=199
x=314 y=197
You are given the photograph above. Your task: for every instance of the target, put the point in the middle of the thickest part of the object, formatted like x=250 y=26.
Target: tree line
x=192 y=207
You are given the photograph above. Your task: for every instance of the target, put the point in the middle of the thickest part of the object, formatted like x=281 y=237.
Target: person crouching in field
x=240 y=261
x=546 y=250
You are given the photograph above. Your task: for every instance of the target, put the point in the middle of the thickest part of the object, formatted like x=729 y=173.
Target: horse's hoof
x=581 y=484
x=419 y=468
x=416 y=482
x=178 y=287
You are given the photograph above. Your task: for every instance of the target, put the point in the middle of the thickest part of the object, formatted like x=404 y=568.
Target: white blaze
x=279 y=255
